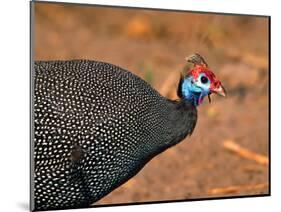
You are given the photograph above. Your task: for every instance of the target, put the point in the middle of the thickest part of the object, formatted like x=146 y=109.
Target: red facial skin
x=197 y=69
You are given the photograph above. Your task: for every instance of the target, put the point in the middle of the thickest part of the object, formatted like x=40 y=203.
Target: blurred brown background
x=227 y=153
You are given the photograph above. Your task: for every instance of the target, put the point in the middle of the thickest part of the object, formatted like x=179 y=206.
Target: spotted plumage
x=95 y=126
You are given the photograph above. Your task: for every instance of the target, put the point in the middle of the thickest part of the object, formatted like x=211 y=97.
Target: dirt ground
x=153 y=45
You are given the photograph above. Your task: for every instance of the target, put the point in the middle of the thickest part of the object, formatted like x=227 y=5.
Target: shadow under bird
x=96 y=125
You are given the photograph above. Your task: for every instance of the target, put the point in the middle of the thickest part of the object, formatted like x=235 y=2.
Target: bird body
x=95 y=126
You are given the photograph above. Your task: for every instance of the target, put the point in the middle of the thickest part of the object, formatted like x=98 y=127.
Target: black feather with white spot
x=96 y=125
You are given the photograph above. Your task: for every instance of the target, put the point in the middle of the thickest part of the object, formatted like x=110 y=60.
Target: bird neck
x=181 y=120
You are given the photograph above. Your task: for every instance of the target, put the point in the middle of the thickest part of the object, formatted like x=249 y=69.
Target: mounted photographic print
x=139 y=105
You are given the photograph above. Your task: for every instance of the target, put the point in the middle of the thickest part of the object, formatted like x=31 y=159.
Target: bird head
x=198 y=81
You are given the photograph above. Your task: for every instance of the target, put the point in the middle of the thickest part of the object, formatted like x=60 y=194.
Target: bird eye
x=204 y=79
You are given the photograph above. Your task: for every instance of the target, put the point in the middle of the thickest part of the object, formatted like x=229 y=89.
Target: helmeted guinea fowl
x=96 y=125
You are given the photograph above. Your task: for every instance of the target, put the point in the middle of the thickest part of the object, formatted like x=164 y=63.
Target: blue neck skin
x=192 y=92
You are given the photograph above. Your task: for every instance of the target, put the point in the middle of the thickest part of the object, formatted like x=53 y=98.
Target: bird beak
x=220 y=91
